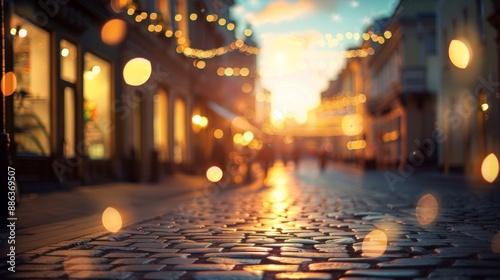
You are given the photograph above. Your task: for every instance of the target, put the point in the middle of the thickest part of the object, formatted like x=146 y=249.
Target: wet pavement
x=300 y=224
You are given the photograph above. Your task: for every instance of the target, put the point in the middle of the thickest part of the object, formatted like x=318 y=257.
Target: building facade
x=468 y=105
x=403 y=87
x=75 y=119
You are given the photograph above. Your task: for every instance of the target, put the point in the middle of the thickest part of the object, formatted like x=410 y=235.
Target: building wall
x=402 y=84
x=471 y=133
x=130 y=151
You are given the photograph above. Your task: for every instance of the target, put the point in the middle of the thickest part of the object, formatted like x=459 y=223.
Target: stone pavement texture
x=300 y=225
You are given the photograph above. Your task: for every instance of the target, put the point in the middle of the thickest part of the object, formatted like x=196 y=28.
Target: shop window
x=180 y=131
x=96 y=107
x=69 y=123
x=68 y=61
x=31 y=48
x=161 y=124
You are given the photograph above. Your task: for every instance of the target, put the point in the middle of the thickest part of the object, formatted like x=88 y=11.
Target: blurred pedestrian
x=296 y=153
x=322 y=156
x=266 y=157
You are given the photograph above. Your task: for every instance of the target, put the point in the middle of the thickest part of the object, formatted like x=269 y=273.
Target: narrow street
x=300 y=224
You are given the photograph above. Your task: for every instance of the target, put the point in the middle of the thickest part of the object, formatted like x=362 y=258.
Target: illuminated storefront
x=62 y=126
x=32 y=126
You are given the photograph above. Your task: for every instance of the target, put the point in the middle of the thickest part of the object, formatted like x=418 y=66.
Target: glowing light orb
x=9 y=83
x=65 y=52
x=119 y=5
x=113 y=32
x=196 y=119
x=203 y=121
x=214 y=174
x=489 y=168
x=218 y=133
x=374 y=244
x=495 y=243
x=111 y=219
x=352 y=124
x=459 y=54
x=427 y=209
x=248 y=136
x=137 y=71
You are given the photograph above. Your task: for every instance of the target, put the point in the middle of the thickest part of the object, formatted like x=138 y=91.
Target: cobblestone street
x=300 y=225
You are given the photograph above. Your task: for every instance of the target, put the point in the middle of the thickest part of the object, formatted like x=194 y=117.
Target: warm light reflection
x=137 y=71
x=113 y=32
x=9 y=83
x=111 y=219
x=279 y=194
x=489 y=168
x=495 y=243
x=459 y=54
x=427 y=209
x=352 y=124
x=374 y=244
x=214 y=174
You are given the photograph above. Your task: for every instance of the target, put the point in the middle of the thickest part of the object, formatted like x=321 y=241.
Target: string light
x=184 y=44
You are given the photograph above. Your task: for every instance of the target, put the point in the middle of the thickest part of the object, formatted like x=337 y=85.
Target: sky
x=296 y=59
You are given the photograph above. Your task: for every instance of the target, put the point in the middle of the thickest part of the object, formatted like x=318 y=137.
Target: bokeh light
x=214 y=174
x=489 y=168
x=218 y=133
x=352 y=124
x=427 y=209
x=137 y=71
x=196 y=119
x=248 y=136
x=9 y=83
x=374 y=244
x=113 y=32
x=203 y=121
x=111 y=219
x=459 y=54
x=119 y=5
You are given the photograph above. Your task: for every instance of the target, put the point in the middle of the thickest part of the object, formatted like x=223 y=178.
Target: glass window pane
x=31 y=47
x=161 y=124
x=69 y=123
x=96 y=107
x=68 y=61
x=180 y=131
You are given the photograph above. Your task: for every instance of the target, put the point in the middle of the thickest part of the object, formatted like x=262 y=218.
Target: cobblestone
x=301 y=231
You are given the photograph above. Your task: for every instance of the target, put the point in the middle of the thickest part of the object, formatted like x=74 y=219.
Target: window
x=31 y=48
x=96 y=107
x=69 y=123
x=68 y=61
x=161 y=124
x=180 y=131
